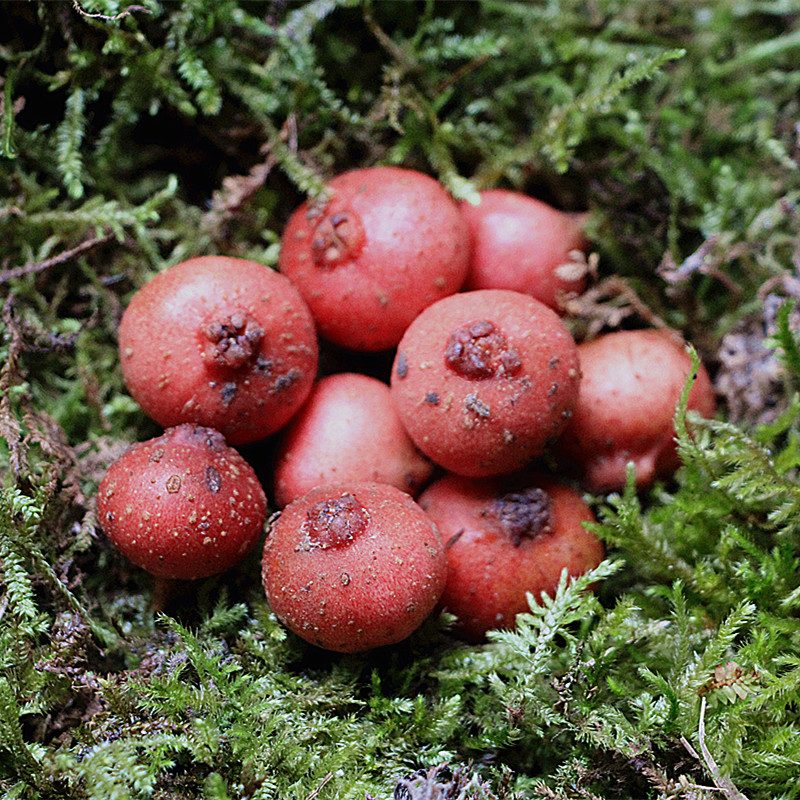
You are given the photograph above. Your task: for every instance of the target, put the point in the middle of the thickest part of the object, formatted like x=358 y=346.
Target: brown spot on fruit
x=232 y=341
x=283 y=382
x=173 y=484
x=473 y=403
x=338 y=237
x=524 y=514
x=479 y=350
x=401 y=367
x=228 y=392
x=335 y=523
x=213 y=479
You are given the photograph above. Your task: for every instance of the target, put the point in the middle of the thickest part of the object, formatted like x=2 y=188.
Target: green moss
x=136 y=135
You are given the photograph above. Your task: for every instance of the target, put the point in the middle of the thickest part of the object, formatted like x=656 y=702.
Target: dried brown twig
x=126 y=12
x=63 y=257
x=607 y=304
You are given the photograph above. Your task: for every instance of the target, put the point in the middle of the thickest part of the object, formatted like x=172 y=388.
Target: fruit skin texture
x=631 y=385
x=483 y=381
x=221 y=342
x=502 y=543
x=521 y=243
x=387 y=243
x=353 y=566
x=184 y=505
x=348 y=430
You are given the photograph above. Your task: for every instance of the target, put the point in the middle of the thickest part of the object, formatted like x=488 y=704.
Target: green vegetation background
x=137 y=134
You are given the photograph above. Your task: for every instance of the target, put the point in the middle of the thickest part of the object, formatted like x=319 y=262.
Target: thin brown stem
x=33 y=267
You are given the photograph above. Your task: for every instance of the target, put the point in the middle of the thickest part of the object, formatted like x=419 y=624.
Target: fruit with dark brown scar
x=184 y=505
x=503 y=542
x=381 y=244
x=222 y=342
x=483 y=381
x=353 y=566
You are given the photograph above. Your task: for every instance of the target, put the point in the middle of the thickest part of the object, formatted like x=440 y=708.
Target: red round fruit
x=353 y=566
x=184 y=505
x=483 y=381
x=524 y=244
x=384 y=244
x=221 y=342
x=632 y=382
x=348 y=430
x=503 y=543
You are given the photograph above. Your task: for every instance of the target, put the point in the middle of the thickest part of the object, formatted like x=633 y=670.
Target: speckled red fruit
x=350 y=567
x=521 y=243
x=503 y=543
x=483 y=381
x=387 y=243
x=632 y=381
x=184 y=505
x=348 y=430
x=222 y=342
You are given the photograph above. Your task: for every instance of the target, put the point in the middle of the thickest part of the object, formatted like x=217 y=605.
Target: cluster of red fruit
x=400 y=498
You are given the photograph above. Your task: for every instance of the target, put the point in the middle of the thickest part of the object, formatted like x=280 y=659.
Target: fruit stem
x=164 y=592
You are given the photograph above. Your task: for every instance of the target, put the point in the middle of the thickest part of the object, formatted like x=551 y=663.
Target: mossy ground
x=136 y=135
